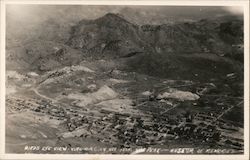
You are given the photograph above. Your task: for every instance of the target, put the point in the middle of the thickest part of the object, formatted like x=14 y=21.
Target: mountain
x=167 y=50
x=112 y=33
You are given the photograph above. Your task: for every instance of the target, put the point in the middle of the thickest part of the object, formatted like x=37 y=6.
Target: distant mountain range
x=159 y=50
x=113 y=35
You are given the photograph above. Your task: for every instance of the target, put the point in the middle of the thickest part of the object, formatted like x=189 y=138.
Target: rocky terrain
x=116 y=84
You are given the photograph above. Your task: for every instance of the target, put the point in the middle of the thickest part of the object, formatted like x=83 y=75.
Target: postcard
x=124 y=79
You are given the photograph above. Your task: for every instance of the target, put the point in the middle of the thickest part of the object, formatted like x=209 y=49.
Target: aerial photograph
x=124 y=79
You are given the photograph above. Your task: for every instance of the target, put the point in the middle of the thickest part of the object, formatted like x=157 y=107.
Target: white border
x=244 y=3
x=134 y=2
x=2 y=80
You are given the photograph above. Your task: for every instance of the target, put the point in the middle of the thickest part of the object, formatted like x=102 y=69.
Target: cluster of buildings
x=131 y=130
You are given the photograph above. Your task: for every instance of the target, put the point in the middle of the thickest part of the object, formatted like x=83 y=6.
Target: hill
x=166 y=50
x=112 y=32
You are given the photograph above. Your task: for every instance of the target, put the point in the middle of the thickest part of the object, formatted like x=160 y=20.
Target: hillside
x=41 y=56
x=112 y=32
x=165 y=50
x=109 y=35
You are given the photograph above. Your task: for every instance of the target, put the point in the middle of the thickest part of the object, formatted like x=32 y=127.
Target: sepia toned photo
x=124 y=79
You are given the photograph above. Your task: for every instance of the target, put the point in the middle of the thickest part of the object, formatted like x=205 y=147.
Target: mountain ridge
x=112 y=37
x=200 y=36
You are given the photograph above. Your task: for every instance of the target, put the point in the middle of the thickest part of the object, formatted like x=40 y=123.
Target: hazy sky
x=142 y=14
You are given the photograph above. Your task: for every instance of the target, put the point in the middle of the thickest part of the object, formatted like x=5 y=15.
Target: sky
x=137 y=14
